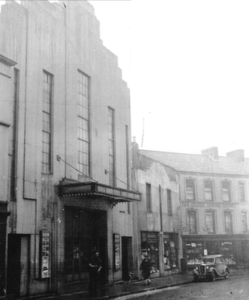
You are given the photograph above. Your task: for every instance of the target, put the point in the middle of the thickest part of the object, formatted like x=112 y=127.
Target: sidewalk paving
x=135 y=287
x=156 y=283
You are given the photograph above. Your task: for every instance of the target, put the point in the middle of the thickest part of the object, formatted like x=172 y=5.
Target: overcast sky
x=187 y=65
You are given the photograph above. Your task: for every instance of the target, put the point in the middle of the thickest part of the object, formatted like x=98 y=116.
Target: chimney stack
x=212 y=152
x=237 y=154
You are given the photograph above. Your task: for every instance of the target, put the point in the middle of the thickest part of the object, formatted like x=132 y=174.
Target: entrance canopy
x=97 y=190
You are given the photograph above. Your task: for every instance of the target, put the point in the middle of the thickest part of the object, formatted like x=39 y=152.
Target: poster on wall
x=116 y=251
x=45 y=254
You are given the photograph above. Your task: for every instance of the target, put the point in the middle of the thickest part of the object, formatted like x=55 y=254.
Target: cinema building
x=65 y=163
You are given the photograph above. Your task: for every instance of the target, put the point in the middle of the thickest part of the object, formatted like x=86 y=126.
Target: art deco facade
x=65 y=160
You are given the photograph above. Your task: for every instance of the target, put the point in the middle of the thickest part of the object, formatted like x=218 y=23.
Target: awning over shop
x=98 y=190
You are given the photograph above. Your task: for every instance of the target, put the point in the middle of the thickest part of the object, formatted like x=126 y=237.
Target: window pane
x=226 y=196
x=190 y=190
x=208 y=190
x=46 y=124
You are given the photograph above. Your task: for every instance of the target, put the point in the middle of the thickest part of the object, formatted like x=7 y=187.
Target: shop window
x=149 y=246
x=242 y=194
x=148 y=197
x=190 y=190
x=208 y=190
x=169 y=202
x=227 y=251
x=170 y=251
x=244 y=221
x=192 y=222
x=193 y=252
x=226 y=191
x=228 y=222
x=210 y=225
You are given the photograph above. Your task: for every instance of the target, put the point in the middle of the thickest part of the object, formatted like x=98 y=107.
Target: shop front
x=150 y=247
x=170 y=251
x=235 y=248
x=3 y=220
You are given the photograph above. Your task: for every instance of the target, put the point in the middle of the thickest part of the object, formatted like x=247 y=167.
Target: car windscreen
x=208 y=260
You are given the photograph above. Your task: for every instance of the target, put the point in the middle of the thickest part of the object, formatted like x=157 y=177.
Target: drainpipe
x=160 y=237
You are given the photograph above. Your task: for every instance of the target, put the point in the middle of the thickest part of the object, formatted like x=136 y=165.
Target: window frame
x=111 y=145
x=83 y=136
x=212 y=190
x=213 y=213
x=245 y=229
x=189 y=213
x=49 y=133
x=193 y=189
x=229 y=193
x=169 y=203
x=148 y=197
x=230 y=213
x=243 y=198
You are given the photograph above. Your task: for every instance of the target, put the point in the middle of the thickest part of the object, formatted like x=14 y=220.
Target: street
x=235 y=287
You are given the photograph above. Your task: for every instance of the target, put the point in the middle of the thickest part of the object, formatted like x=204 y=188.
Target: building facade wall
x=61 y=41
x=234 y=243
x=156 y=225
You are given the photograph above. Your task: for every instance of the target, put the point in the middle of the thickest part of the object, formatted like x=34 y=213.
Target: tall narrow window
x=111 y=146
x=148 y=197
x=169 y=202
x=83 y=124
x=244 y=221
x=47 y=123
x=210 y=222
x=208 y=190
x=127 y=164
x=226 y=191
x=242 y=194
x=190 y=190
x=14 y=134
x=228 y=222
x=192 y=222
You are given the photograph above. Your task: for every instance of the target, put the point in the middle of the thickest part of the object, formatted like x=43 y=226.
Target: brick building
x=214 y=203
x=65 y=163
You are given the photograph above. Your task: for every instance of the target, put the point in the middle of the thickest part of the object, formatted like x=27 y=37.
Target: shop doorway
x=18 y=265
x=126 y=257
x=85 y=230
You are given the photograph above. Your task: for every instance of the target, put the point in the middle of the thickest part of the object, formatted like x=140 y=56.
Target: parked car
x=212 y=267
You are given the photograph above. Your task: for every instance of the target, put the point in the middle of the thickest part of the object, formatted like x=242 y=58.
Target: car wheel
x=212 y=276
x=196 y=277
x=226 y=274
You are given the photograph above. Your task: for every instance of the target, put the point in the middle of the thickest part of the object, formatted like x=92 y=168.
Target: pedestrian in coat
x=94 y=268
x=145 y=267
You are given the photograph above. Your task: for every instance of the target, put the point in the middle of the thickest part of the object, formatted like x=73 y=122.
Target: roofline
x=196 y=154
x=160 y=162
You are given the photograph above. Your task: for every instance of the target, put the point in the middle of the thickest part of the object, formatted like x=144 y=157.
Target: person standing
x=94 y=268
x=145 y=267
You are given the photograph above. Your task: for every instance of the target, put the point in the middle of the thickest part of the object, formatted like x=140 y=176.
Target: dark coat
x=145 y=267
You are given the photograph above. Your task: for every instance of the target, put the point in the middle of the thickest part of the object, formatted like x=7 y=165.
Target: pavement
x=134 y=287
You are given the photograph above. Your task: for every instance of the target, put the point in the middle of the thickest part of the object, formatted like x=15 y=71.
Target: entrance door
x=85 y=230
x=126 y=257
x=18 y=265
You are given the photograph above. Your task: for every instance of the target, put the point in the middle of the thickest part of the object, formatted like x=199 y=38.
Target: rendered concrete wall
x=61 y=40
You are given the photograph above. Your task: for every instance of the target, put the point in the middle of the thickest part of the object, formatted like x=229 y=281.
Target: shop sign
x=116 y=251
x=45 y=254
x=206 y=205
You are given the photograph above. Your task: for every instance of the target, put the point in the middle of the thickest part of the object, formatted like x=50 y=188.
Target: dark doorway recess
x=126 y=257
